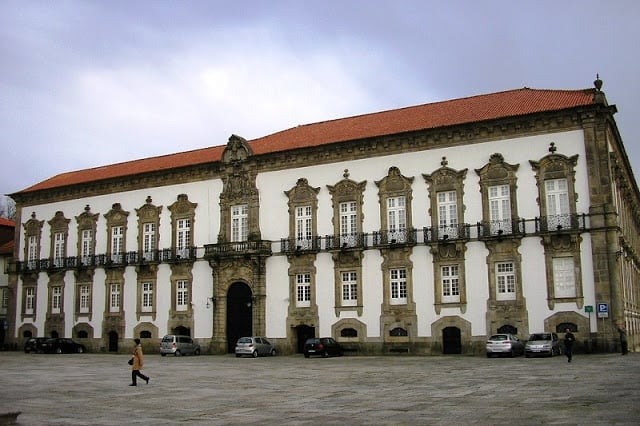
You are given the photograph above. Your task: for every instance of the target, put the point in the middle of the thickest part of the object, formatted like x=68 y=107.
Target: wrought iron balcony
x=561 y=222
x=405 y=237
x=346 y=241
x=238 y=248
x=434 y=234
x=501 y=228
x=178 y=255
x=300 y=245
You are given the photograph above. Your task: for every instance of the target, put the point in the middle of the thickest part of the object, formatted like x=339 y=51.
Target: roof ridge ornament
x=599 y=97
x=598 y=83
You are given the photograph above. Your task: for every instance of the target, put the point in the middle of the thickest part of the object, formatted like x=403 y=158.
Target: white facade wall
x=274 y=225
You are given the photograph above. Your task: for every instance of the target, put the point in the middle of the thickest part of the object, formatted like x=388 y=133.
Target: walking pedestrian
x=569 y=338
x=623 y=338
x=137 y=364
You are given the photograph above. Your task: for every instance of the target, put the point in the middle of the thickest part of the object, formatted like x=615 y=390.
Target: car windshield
x=499 y=337
x=244 y=340
x=540 y=336
x=167 y=339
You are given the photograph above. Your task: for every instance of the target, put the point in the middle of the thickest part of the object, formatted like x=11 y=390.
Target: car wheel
x=273 y=352
x=527 y=355
x=306 y=355
x=488 y=355
x=163 y=354
x=177 y=353
x=512 y=354
x=255 y=354
x=237 y=355
x=196 y=352
x=80 y=349
x=325 y=354
x=59 y=350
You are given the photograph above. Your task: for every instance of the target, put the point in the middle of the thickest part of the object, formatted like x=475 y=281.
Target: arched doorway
x=304 y=332
x=182 y=331
x=508 y=328
x=451 y=342
x=239 y=314
x=113 y=341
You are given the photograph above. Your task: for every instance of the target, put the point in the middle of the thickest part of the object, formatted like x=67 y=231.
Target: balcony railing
x=514 y=228
x=300 y=245
x=237 y=248
x=561 y=222
x=346 y=241
x=178 y=255
x=391 y=238
x=501 y=228
x=446 y=233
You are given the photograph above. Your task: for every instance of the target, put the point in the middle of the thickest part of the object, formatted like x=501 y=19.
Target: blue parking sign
x=603 y=310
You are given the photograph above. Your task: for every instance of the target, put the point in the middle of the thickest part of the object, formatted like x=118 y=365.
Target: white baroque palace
x=420 y=230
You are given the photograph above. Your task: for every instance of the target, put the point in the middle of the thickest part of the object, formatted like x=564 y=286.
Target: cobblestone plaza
x=93 y=389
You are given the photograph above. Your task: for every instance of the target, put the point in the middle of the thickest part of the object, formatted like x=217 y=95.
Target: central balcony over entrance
x=238 y=249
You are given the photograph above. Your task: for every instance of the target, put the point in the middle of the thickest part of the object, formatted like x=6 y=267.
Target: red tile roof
x=421 y=117
x=7 y=222
x=7 y=248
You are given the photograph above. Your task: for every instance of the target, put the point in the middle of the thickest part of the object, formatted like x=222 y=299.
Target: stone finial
x=552 y=148
x=444 y=162
x=346 y=174
x=598 y=83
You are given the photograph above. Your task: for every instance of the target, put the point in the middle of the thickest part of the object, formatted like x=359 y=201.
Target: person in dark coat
x=623 y=339
x=569 y=338
x=138 y=363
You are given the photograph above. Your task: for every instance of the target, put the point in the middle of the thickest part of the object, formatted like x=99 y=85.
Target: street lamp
x=211 y=299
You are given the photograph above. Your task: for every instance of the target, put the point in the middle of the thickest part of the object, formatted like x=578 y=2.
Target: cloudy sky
x=89 y=83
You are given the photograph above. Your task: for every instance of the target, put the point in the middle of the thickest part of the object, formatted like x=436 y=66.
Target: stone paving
x=92 y=389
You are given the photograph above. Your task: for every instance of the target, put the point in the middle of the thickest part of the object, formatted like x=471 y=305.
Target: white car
x=546 y=344
x=504 y=344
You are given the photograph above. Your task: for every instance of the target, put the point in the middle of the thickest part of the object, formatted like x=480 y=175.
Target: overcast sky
x=89 y=83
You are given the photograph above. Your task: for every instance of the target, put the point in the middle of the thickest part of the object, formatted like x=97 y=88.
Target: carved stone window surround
x=181 y=209
x=149 y=214
x=395 y=185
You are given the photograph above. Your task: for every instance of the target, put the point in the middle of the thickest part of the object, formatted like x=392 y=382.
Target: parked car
x=176 y=345
x=546 y=344
x=60 y=345
x=323 y=346
x=504 y=344
x=254 y=346
x=34 y=344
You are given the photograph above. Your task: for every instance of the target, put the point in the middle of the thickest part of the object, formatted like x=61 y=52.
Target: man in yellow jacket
x=138 y=363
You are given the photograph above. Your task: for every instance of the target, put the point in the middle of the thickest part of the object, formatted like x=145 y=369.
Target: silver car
x=254 y=346
x=504 y=344
x=176 y=345
x=546 y=344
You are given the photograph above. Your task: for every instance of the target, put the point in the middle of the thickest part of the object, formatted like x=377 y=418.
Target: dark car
x=60 y=345
x=34 y=344
x=323 y=346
